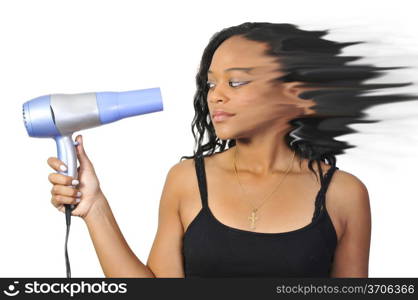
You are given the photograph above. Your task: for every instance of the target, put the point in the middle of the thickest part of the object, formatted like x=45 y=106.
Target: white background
x=85 y=46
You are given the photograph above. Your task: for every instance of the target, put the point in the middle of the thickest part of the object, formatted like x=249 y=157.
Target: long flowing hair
x=340 y=94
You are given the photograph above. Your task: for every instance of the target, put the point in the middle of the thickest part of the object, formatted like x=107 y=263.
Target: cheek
x=255 y=107
x=254 y=102
x=252 y=98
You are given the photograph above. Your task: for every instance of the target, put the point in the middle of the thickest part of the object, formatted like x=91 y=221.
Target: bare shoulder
x=349 y=195
x=347 y=184
x=182 y=169
x=181 y=177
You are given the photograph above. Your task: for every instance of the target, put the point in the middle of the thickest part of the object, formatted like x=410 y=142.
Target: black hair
x=306 y=57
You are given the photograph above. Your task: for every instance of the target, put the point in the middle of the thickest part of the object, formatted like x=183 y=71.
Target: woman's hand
x=84 y=192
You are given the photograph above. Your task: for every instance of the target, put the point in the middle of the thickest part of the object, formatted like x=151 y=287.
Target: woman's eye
x=231 y=83
x=238 y=83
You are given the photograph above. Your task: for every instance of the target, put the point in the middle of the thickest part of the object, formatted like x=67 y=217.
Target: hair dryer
x=58 y=116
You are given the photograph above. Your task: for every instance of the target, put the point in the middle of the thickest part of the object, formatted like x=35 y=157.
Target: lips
x=220 y=115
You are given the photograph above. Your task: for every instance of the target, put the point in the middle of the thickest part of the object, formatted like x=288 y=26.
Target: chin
x=223 y=135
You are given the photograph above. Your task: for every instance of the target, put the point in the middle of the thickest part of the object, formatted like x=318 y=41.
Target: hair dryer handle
x=67 y=154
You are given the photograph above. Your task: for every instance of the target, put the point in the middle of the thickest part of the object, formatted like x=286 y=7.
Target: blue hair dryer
x=58 y=116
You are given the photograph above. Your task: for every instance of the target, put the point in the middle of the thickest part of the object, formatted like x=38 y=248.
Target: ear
x=293 y=89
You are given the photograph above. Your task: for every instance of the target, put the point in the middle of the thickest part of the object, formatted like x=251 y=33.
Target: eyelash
x=242 y=83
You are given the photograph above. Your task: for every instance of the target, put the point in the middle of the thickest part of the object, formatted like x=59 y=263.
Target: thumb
x=81 y=153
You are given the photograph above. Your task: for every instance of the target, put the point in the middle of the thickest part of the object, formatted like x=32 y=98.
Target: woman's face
x=256 y=103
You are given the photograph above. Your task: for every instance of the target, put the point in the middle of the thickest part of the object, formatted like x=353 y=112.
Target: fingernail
x=63 y=168
x=78 y=194
x=75 y=182
x=77 y=200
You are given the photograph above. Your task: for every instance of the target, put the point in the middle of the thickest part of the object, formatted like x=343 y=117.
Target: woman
x=261 y=207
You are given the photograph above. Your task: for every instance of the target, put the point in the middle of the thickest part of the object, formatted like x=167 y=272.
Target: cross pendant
x=253 y=218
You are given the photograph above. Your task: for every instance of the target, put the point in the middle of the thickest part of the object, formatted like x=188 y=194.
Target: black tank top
x=213 y=249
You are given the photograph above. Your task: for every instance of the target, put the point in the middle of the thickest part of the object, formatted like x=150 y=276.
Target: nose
x=217 y=94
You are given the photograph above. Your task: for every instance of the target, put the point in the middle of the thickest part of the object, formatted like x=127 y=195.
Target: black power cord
x=68 y=209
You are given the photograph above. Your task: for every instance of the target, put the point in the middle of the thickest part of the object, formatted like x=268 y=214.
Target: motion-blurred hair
x=340 y=94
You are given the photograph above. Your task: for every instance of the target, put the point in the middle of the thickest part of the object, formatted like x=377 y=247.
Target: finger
x=81 y=153
x=61 y=179
x=58 y=200
x=61 y=208
x=68 y=191
x=56 y=164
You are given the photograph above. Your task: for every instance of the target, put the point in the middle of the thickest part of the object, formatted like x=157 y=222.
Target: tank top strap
x=320 y=198
x=201 y=178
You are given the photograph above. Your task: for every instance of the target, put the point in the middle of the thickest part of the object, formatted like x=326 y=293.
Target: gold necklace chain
x=253 y=216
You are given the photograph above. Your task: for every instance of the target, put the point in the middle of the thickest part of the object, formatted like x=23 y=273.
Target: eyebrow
x=246 y=70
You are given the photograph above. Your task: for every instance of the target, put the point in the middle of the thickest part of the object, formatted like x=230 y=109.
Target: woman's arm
x=165 y=258
x=115 y=256
x=352 y=253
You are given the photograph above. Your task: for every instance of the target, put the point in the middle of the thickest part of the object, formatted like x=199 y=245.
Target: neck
x=265 y=154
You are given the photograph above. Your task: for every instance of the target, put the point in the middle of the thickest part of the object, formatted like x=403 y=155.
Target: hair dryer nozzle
x=114 y=106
